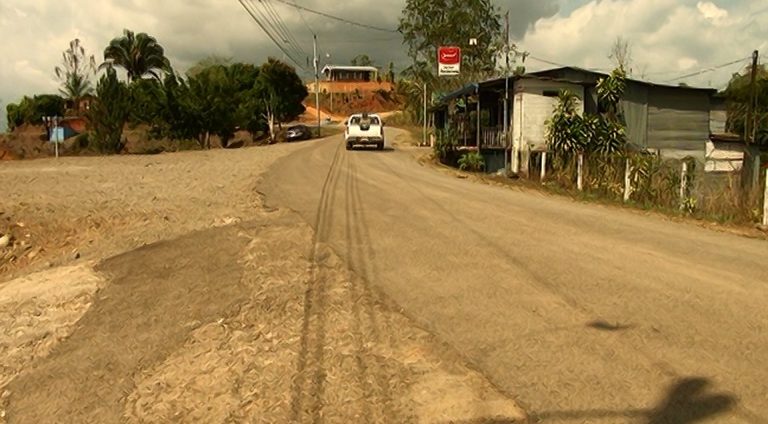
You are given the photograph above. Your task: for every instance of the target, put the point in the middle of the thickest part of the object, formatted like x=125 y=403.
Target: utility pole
x=749 y=130
x=506 y=90
x=330 y=86
x=317 y=83
x=424 y=134
x=747 y=179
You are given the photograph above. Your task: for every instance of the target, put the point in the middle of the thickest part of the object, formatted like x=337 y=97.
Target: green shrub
x=445 y=143
x=472 y=161
x=82 y=141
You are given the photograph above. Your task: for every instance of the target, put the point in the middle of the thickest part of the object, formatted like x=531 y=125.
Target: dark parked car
x=298 y=132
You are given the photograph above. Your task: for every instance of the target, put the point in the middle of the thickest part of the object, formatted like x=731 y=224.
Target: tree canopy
x=361 y=60
x=109 y=113
x=428 y=24
x=30 y=110
x=75 y=72
x=139 y=54
x=281 y=91
x=738 y=97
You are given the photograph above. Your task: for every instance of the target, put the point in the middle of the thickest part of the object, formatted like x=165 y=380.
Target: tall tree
x=208 y=62
x=213 y=92
x=361 y=60
x=31 y=110
x=139 y=54
x=428 y=24
x=281 y=91
x=621 y=54
x=738 y=97
x=75 y=72
x=109 y=112
x=391 y=72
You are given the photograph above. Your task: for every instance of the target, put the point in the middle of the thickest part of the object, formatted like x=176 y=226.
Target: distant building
x=348 y=79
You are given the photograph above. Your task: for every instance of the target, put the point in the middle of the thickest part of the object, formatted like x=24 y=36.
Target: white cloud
x=669 y=37
x=711 y=12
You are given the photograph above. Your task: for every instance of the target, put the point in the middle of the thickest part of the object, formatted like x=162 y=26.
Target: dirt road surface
x=188 y=301
x=583 y=313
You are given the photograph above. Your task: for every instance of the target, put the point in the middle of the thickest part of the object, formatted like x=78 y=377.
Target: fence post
x=580 y=173
x=765 y=200
x=683 y=184
x=627 y=182
x=543 y=166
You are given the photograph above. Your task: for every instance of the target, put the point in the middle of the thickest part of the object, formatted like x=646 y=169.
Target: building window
x=550 y=93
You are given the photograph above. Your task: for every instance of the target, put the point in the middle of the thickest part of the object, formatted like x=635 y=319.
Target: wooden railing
x=493 y=138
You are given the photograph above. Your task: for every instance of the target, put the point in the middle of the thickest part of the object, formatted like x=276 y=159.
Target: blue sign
x=57 y=135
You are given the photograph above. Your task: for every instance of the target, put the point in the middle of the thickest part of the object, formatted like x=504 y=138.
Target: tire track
x=308 y=388
x=362 y=259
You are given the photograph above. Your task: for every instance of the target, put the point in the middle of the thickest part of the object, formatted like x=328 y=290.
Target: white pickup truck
x=363 y=129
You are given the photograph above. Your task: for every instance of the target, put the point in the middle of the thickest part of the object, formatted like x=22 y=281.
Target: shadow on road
x=686 y=402
x=494 y=420
x=606 y=326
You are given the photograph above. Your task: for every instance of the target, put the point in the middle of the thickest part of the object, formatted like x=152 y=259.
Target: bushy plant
x=472 y=161
x=109 y=113
x=445 y=143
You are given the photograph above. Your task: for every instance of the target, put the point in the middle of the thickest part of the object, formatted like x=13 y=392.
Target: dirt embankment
x=89 y=208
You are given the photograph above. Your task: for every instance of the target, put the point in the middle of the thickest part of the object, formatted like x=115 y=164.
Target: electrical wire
x=270 y=35
x=281 y=24
x=549 y=62
x=303 y=19
x=264 y=14
x=693 y=74
x=710 y=69
x=336 y=18
x=363 y=41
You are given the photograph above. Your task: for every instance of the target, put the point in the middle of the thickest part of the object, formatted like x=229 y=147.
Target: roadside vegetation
x=136 y=87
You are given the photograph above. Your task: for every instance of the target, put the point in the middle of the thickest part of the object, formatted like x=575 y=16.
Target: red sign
x=448 y=60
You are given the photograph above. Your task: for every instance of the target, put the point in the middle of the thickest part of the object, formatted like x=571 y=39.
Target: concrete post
x=515 y=160
x=683 y=184
x=580 y=173
x=543 y=166
x=627 y=182
x=765 y=200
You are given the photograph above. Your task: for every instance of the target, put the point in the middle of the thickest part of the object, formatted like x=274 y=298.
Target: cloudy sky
x=670 y=38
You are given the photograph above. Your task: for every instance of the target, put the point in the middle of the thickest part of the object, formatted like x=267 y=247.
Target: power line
x=281 y=24
x=303 y=19
x=547 y=61
x=336 y=18
x=274 y=25
x=266 y=31
x=710 y=69
x=693 y=74
x=363 y=40
x=560 y=65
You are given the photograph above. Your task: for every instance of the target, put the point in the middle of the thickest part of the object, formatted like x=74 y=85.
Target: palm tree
x=139 y=54
x=76 y=87
x=75 y=72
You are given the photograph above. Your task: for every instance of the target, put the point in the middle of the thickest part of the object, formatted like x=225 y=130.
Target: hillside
x=349 y=103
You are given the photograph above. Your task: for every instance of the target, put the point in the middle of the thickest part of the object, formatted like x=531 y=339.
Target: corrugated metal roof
x=601 y=74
